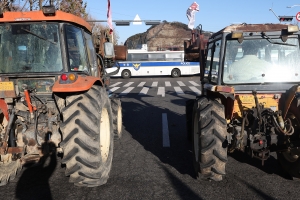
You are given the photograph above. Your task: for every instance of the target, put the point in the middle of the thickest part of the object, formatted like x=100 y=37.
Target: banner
x=190 y=13
x=109 y=18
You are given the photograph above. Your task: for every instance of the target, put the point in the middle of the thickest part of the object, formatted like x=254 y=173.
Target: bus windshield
x=262 y=60
x=33 y=47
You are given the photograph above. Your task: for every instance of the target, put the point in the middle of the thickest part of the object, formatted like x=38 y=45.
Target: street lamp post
x=293 y=6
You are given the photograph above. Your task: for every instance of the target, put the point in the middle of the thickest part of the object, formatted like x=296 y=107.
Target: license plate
x=6 y=86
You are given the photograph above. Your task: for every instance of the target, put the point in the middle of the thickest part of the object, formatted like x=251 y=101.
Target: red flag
x=190 y=13
x=109 y=18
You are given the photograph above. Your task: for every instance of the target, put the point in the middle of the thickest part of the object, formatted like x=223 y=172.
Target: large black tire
x=117 y=117
x=175 y=73
x=189 y=117
x=209 y=139
x=9 y=170
x=126 y=74
x=290 y=160
x=87 y=131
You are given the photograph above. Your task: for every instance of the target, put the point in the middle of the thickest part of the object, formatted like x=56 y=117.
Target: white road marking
x=118 y=83
x=141 y=84
x=180 y=83
x=167 y=83
x=144 y=91
x=178 y=90
x=194 y=83
x=113 y=89
x=125 y=92
x=194 y=89
x=128 y=84
x=161 y=91
x=165 y=130
x=154 y=84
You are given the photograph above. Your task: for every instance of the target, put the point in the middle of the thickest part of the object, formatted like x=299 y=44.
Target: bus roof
x=39 y=16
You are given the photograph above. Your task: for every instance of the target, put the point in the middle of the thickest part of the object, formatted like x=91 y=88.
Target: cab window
x=76 y=49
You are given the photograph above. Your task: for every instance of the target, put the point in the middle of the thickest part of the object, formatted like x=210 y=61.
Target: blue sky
x=213 y=15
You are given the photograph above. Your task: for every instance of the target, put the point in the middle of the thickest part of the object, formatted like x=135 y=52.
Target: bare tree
x=76 y=7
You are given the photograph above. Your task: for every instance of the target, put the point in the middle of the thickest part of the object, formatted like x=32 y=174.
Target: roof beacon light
x=293 y=28
x=49 y=10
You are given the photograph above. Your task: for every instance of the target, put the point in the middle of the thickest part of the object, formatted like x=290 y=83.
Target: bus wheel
x=175 y=73
x=126 y=73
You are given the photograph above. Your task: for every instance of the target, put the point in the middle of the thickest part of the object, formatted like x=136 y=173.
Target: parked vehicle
x=252 y=103
x=156 y=63
x=53 y=96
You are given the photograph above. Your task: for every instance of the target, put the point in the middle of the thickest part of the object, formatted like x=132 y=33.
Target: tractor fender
x=82 y=83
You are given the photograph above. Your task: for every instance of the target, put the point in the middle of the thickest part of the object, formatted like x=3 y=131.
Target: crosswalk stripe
x=154 y=84
x=167 y=83
x=161 y=91
x=194 y=83
x=141 y=84
x=113 y=89
x=194 y=89
x=125 y=92
x=178 y=90
x=128 y=84
x=180 y=83
x=117 y=83
x=144 y=91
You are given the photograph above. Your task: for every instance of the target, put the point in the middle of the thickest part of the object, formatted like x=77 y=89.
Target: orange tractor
x=53 y=96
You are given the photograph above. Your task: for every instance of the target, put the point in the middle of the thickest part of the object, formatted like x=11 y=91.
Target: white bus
x=154 y=63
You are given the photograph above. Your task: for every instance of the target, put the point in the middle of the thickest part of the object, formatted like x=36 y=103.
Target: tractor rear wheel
x=87 y=131
x=290 y=159
x=117 y=117
x=209 y=139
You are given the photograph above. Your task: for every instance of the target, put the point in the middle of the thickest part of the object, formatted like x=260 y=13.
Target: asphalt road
x=153 y=159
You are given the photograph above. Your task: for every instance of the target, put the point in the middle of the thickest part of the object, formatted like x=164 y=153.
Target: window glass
x=76 y=49
x=216 y=60
x=260 y=60
x=91 y=54
x=31 y=47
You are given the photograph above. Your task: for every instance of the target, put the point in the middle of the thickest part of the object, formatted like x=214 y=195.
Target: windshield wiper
x=38 y=36
x=273 y=42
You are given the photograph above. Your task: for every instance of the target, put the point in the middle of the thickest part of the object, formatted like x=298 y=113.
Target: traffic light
x=285 y=18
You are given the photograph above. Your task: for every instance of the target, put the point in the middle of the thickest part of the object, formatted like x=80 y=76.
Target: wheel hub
x=104 y=135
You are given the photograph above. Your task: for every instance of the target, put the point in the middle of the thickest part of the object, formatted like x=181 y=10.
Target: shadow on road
x=143 y=120
x=34 y=181
x=271 y=165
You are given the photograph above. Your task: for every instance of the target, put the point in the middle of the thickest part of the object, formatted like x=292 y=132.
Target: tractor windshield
x=262 y=61
x=30 y=48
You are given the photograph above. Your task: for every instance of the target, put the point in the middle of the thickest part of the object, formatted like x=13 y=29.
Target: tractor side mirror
x=109 y=51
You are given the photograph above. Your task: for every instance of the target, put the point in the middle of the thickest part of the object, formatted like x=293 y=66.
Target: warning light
x=285 y=18
x=261 y=142
x=72 y=77
x=64 y=77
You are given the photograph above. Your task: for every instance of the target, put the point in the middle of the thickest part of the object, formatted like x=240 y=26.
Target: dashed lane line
x=165 y=130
